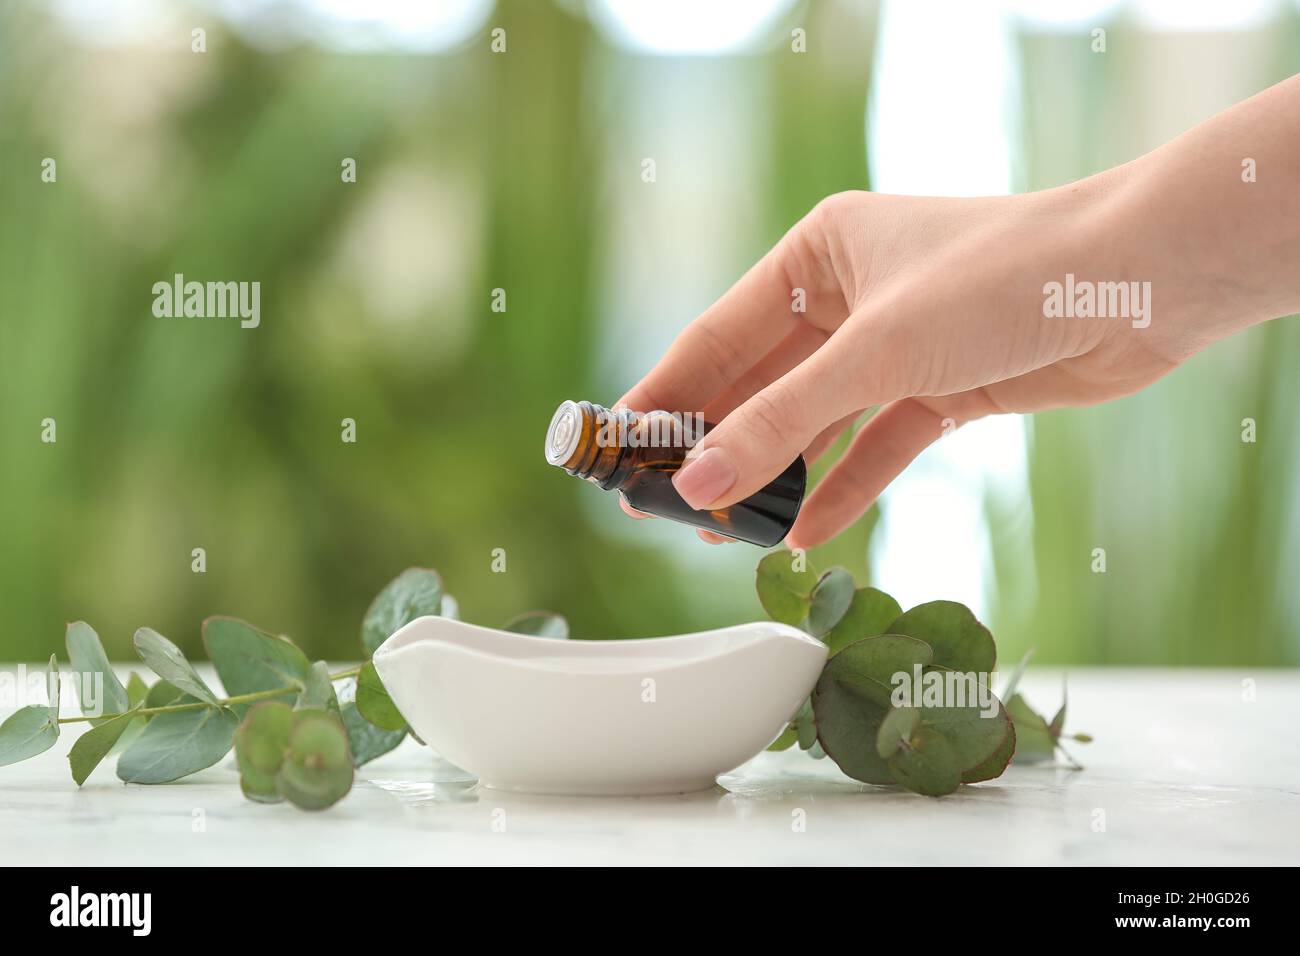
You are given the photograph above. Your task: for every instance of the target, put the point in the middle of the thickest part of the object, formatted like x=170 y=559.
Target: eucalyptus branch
x=297 y=742
x=200 y=705
x=293 y=738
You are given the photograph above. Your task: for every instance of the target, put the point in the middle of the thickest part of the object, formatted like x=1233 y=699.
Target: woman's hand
x=940 y=311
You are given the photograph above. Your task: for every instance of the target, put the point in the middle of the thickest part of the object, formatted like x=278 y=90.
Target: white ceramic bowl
x=618 y=717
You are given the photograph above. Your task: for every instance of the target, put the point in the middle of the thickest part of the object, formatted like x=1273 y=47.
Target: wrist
x=1137 y=225
x=1218 y=248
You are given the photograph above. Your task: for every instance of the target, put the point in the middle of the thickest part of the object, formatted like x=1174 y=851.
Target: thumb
x=759 y=440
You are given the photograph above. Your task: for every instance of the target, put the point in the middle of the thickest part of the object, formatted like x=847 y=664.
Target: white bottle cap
x=562 y=437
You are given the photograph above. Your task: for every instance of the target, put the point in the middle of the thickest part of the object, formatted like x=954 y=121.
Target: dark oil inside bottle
x=764 y=518
x=629 y=452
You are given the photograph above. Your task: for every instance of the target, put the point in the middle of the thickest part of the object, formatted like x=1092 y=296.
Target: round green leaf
x=539 y=624
x=415 y=592
x=259 y=787
x=260 y=743
x=996 y=764
x=959 y=640
x=974 y=736
x=853 y=697
x=374 y=703
x=317 y=770
x=317 y=739
x=313 y=787
x=926 y=764
x=848 y=723
x=870 y=613
x=830 y=600
x=784 y=592
x=896 y=729
x=263 y=735
x=880 y=658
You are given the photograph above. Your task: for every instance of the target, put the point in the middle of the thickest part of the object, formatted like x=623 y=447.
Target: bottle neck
x=606 y=445
x=588 y=441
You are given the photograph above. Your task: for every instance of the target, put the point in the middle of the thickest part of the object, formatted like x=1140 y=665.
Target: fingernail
x=706 y=478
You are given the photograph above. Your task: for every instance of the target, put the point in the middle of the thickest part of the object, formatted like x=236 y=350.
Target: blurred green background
x=522 y=171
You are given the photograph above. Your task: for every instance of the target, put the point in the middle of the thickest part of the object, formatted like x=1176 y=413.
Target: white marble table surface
x=1184 y=771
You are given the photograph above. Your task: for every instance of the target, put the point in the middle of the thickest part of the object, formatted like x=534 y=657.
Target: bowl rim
x=546 y=654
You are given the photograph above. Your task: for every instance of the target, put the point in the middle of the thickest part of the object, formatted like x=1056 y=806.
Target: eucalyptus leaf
x=317 y=771
x=848 y=723
x=805 y=726
x=414 y=593
x=26 y=733
x=365 y=740
x=996 y=764
x=1034 y=741
x=959 y=640
x=170 y=664
x=249 y=660
x=853 y=697
x=870 y=613
x=450 y=608
x=257 y=786
x=137 y=691
x=52 y=682
x=785 y=740
x=374 y=703
x=896 y=729
x=883 y=658
x=263 y=735
x=164 y=694
x=177 y=744
x=318 y=690
x=260 y=744
x=539 y=624
x=973 y=735
x=830 y=601
x=88 y=659
x=927 y=764
x=96 y=743
x=1058 y=721
x=784 y=592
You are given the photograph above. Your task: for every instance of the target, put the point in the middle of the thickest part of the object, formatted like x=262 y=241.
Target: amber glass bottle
x=637 y=453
